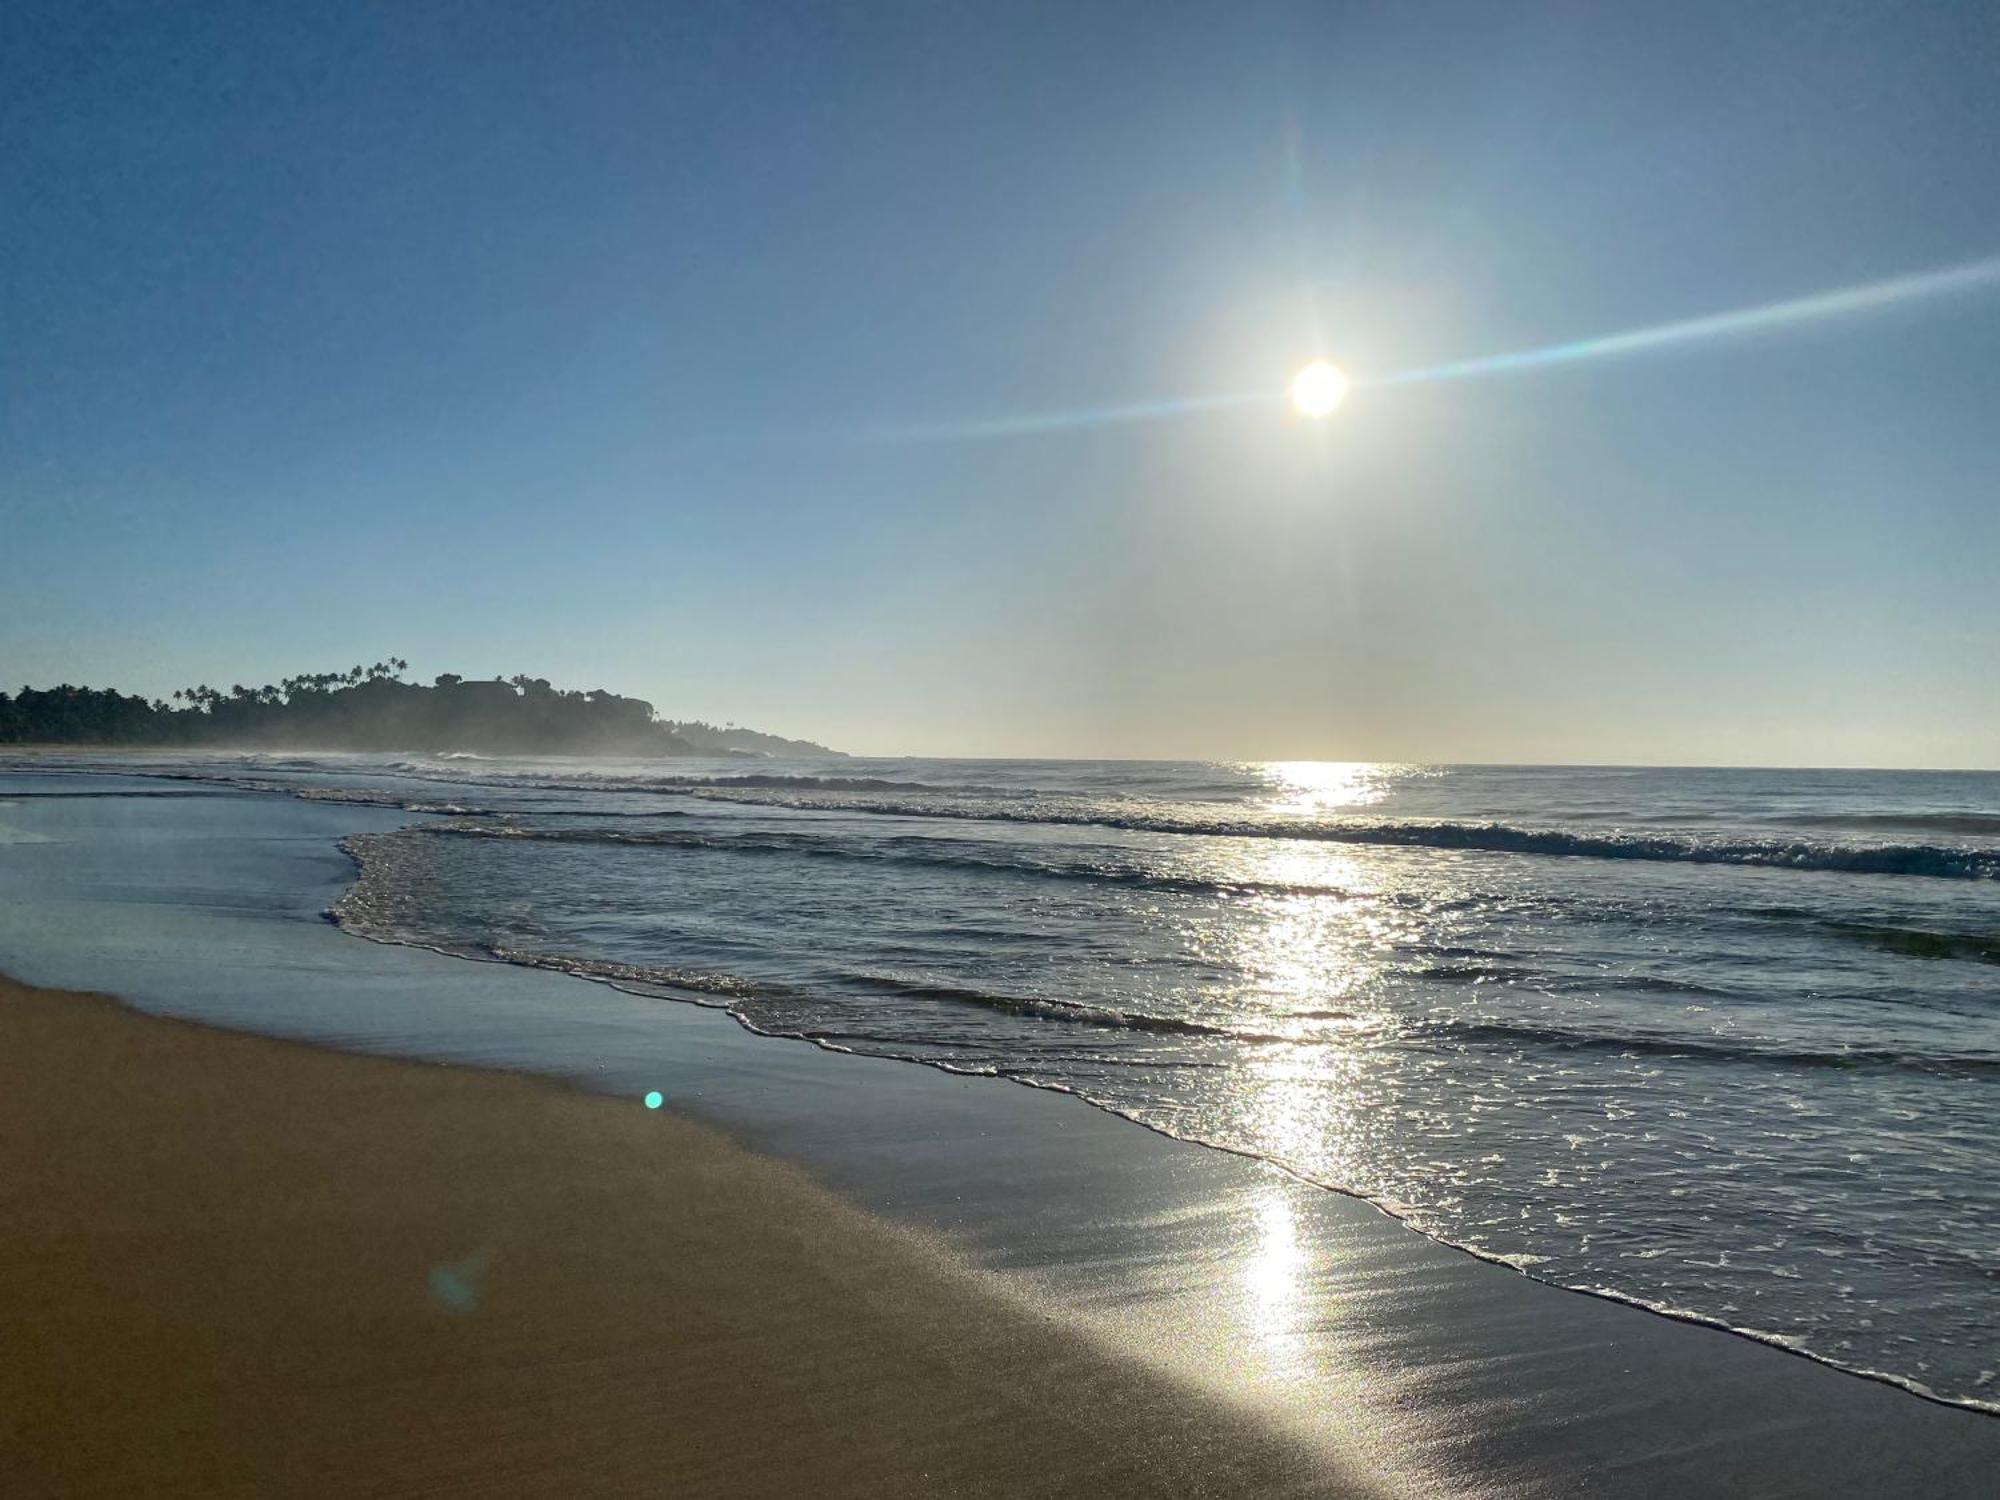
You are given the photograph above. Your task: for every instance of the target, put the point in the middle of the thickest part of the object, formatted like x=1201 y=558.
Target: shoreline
x=256 y=1259
x=1771 y=1341
x=1444 y=1372
x=1774 y=1341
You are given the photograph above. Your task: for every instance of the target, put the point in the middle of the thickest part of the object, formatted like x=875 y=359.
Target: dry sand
x=235 y=1265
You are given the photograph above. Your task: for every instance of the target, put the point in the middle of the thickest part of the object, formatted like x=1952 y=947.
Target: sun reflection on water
x=1309 y=936
x=1317 y=786
x=1273 y=1272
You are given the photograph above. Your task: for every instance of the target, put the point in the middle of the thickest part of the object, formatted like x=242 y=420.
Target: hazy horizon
x=785 y=369
x=837 y=745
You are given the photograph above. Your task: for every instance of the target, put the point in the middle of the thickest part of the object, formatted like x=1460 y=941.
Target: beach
x=240 y=1266
x=1089 y=751
x=949 y=1283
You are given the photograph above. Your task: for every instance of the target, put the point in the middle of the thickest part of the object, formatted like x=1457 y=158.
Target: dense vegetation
x=370 y=708
x=734 y=739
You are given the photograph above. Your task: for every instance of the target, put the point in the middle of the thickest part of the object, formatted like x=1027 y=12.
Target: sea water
x=1724 y=1043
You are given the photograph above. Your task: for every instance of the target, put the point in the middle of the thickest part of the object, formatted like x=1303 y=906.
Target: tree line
x=362 y=708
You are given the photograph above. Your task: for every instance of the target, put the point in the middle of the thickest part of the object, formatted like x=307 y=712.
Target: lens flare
x=1033 y=424
x=1320 y=387
x=1845 y=302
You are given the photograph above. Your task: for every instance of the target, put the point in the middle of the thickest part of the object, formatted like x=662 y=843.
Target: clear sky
x=594 y=341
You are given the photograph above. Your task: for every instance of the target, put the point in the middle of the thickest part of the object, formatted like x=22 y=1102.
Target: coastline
x=1438 y=1372
x=257 y=1265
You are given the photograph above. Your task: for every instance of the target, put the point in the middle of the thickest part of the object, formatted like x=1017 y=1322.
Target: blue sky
x=561 y=338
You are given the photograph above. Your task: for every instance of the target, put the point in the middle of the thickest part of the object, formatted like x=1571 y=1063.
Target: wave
x=68 y=796
x=1709 y=1049
x=1131 y=815
x=594 y=781
x=818 y=1015
x=1888 y=937
x=1919 y=942
x=1928 y=861
x=773 y=1007
x=1964 y=824
x=933 y=853
x=1503 y=974
x=980 y=858
x=1069 y=1011
x=228 y=784
x=1079 y=1049
x=356 y=911
x=726 y=989
x=1933 y=860
x=353 y=797
x=783 y=782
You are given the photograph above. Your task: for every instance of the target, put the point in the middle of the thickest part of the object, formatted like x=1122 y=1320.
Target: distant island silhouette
x=372 y=708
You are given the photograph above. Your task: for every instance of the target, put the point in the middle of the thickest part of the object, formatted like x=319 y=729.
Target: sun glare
x=1318 y=389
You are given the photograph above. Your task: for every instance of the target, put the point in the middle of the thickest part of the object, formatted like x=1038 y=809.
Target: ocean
x=1722 y=1043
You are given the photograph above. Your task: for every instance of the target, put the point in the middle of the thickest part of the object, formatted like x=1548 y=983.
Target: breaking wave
x=1937 y=861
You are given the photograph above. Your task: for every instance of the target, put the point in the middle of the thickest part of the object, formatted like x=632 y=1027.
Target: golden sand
x=236 y=1265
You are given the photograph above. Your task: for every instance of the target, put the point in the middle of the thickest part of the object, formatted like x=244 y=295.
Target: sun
x=1318 y=389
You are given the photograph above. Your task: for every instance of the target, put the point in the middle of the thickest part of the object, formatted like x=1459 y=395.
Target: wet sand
x=240 y=1265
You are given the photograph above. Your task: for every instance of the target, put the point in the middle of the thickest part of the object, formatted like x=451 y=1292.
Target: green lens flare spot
x=655 y=1099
